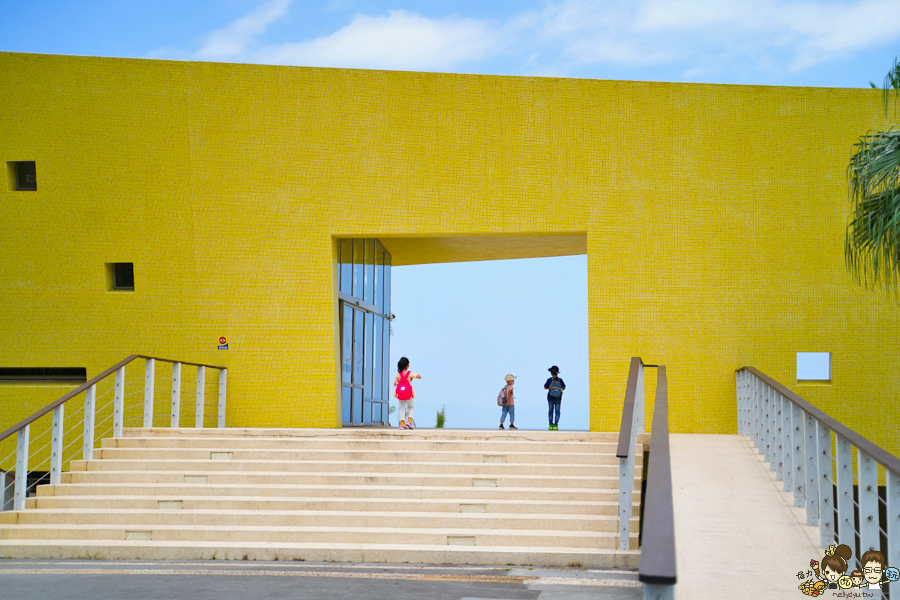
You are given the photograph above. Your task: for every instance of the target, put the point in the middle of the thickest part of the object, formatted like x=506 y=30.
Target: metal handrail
x=795 y=438
x=86 y=385
x=890 y=462
x=626 y=445
x=658 y=548
x=632 y=424
x=88 y=438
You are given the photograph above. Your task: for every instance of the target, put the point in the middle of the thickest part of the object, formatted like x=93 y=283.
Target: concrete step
x=373 y=494
x=331 y=552
x=166 y=514
x=335 y=467
x=446 y=493
x=385 y=534
x=357 y=479
x=345 y=455
x=503 y=507
x=384 y=433
x=389 y=444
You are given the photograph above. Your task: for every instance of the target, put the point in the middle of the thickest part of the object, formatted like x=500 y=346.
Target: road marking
x=311 y=564
x=457 y=578
x=336 y=574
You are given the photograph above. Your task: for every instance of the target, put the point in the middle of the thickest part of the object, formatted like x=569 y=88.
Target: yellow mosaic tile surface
x=714 y=221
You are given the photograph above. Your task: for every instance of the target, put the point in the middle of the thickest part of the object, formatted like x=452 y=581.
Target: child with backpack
x=507 y=400
x=554 y=386
x=404 y=393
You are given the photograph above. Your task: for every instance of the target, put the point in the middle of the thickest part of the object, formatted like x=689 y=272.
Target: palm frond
x=872 y=245
x=892 y=84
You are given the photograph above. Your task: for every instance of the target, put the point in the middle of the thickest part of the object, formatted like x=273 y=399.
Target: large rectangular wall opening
x=465 y=320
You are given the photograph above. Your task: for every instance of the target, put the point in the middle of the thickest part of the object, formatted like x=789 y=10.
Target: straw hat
x=510 y=377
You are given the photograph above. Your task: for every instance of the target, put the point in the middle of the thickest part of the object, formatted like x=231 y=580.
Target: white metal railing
x=657 y=570
x=60 y=429
x=632 y=425
x=796 y=439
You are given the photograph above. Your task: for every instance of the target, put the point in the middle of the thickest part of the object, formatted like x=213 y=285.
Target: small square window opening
x=120 y=277
x=21 y=175
x=814 y=366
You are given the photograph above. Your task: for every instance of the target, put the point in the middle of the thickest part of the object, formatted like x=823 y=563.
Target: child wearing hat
x=555 y=387
x=509 y=407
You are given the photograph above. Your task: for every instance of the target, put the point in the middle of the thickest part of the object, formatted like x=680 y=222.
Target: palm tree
x=872 y=246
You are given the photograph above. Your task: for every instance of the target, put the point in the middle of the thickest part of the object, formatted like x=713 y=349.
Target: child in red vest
x=404 y=393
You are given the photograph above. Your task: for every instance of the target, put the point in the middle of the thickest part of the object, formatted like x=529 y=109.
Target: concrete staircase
x=361 y=495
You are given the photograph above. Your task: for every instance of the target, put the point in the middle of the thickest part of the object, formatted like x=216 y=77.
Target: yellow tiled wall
x=714 y=217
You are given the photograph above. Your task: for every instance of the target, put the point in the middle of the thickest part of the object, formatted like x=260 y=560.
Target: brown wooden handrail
x=878 y=453
x=88 y=384
x=624 y=447
x=658 y=531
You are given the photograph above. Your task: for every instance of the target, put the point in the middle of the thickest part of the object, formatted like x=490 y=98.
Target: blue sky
x=466 y=325
x=771 y=42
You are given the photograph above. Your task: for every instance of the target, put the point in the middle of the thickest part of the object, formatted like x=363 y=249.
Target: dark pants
x=554 y=406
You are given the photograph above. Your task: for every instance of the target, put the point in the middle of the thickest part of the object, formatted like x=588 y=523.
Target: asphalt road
x=252 y=580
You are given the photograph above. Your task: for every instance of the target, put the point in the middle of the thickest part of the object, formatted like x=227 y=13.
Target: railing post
x=748 y=406
x=119 y=403
x=893 y=526
x=751 y=407
x=626 y=467
x=638 y=408
x=773 y=432
x=812 y=472
x=149 y=381
x=659 y=592
x=758 y=415
x=90 y=399
x=201 y=389
x=868 y=503
x=765 y=426
x=787 y=444
x=745 y=395
x=846 y=528
x=176 y=394
x=737 y=396
x=765 y=407
x=223 y=384
x=826 y=486
x=56 y=444
x=798 y=416
x=626 y=474
x=3 y=485
x=778 y=439
x=21 y=487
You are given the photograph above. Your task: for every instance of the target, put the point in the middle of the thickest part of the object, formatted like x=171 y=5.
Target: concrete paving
x=737 y=534
x=240 y=580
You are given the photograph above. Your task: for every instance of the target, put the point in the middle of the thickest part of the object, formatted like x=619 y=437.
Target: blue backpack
x=556 y=388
